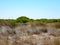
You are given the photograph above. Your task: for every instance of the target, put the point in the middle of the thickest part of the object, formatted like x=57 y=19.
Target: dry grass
x=28 y=35
x=32 y=40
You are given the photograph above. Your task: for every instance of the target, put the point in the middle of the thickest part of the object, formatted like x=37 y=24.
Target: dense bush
x=22 y=19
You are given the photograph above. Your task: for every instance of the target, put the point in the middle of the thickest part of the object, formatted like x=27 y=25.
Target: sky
x=36 y=9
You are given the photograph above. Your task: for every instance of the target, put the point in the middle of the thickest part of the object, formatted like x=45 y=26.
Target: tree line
x=24 y=19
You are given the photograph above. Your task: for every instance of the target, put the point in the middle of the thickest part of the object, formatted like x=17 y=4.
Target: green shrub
x=23 y=19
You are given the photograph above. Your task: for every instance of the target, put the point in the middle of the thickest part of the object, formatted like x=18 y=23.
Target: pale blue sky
x=31 y=8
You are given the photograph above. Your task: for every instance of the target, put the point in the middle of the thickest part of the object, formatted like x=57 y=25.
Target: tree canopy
x=23 y=19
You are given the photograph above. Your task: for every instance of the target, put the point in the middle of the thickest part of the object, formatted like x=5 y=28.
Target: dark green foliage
x=48 y=20
x=31 y=20
x=23 y=19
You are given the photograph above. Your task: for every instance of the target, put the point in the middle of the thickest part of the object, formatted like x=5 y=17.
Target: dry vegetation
x=32 y=32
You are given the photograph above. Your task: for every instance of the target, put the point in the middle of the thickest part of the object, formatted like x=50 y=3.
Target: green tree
x=23 y=19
